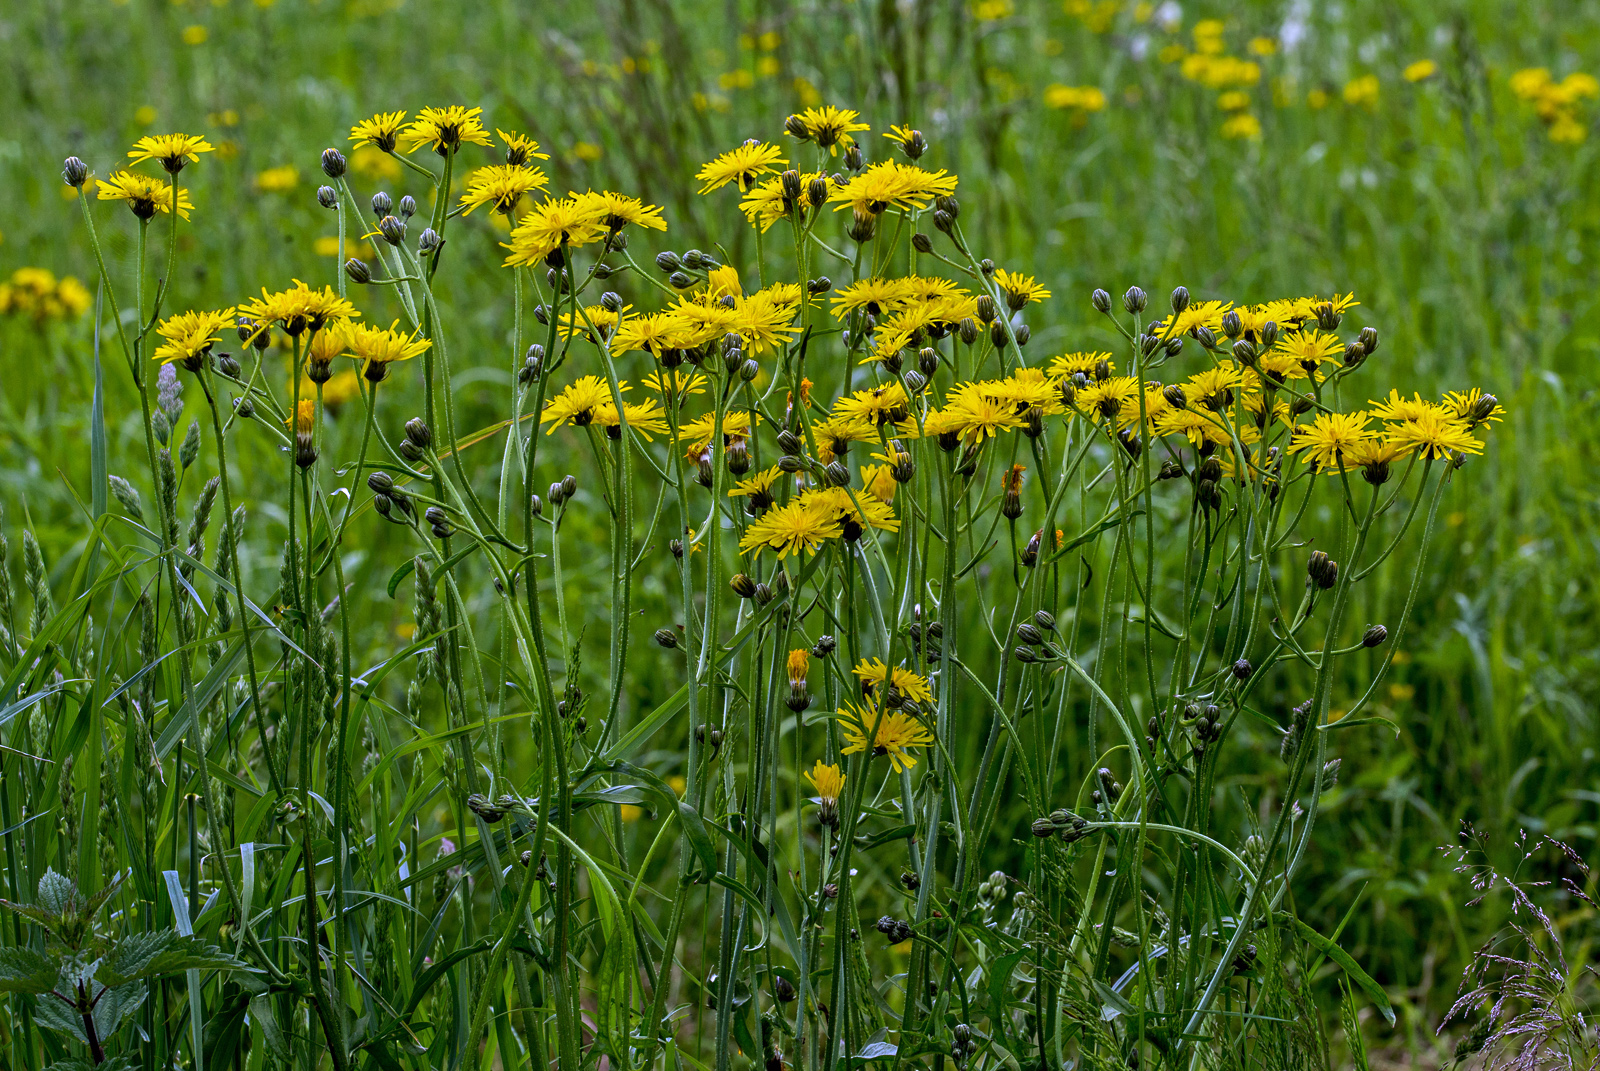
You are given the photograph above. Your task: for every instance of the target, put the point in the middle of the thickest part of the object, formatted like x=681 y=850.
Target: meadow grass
x=1465 y=231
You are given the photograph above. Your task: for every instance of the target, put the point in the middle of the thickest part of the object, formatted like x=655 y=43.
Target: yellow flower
x=1081 y=98
x=897 y=732
x=1471 y=407
x=377 y=348
x=1068 y=364
x=1019 y=290
x=549 y=225
x=190 y=335
x=1234 y=100
x=195 y=34
x=1325 y=440
x=875 y=405
x=1421 y=69
x=873 y=294
x=742 y=166
x=501 y=185
x=172 y=151
x=828 y=126
x=798 y=666
x=645 y=418
x=653 y=333
x=872 y=672
x=577 y=403
x=789 y=530
x=520 y=149
x=297 y=308
x=758 y=488
x=1396 y=408
x=1106 y=397
x=697 y=432
x=852 y=514
x=1375 y=455
x=445 y=129
x=878 y=481
x=1310 y=347
x=145 y=196
x=764 y=320
x=765 y=203
x=617 y=210
x=1242 y=127
x=1434 y=434
x=975 y=416
x=892 y=183
x=382 y=130
x=1362 y=91
x=302 y=417
x=278 y=179
x=825 y=779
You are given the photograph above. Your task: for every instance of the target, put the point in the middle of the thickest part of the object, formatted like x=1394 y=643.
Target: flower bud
x=838 y=473
x=305 y=450
x=228 y=365
x=380 y=483
x=357 y=271
x=742 y=585
x=1022 y=334
x=382 y=204
x=1134 y=299
x=680 y=280
x=1025 y=655
x=824 y=646
x=408 y=206
x=1269 y=334
x=749 y=370
x=1030 y=553
x=921 y=242
x=74 y=172
x=1043 y=827
x=997 y=334
x=1205 y=336
x=1375 y=636
x=817 y=192
x=1100 y=300
x=967 y=330
x=1180 y=299
x=333 y=164
x=569 y=485
x=904 y=469
x=1174 y=346
x=611 y=301
x=326 y=197
x=1175 y=396
x=789 y=182
x=1368 y=339
x=1327 y=318
x=667 y=638
x=853 y=159
x=820 y=285
x=1242 y=669
x=1029 y=633
x=986 y=310
x=1232 y=326
x=1244 y=351
x=668 y=261
x=392 y=229
x=429 y=240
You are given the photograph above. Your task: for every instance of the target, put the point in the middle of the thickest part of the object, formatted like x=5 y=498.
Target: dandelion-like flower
x=825 y=779
x=618 y=210
x=974 y=416
x=789 y=530
x=297 y=309
x=1019 y=290
x=872 y=672
x=500 y=185
x=190 y=335
x=741 y=166
x=378 y=348
x=171 y=151
x=853 y=514
x=1473 y=407
x=445 y=129
x=798 y=666
x=1434 y=435
x=520 y=148
x=1395 y=408
x=1310 y=348
x=1324 y=442
x=1106 y=398
x=577 y=403
x=757 y=488
x=549 y=225
x=1068 y=364
x=828 y=126
x=875 y=405
x=144 y=196
x=875 y=295
x=382 y=130
x=897 y=732
x=766 y=203
x=646 y=419
x=892 y=184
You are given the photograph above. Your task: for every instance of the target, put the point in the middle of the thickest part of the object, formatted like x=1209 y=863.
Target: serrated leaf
x=22 y=970
x=154 y=955
x=52 y=1013
x=116 y=1005
x=56 y=892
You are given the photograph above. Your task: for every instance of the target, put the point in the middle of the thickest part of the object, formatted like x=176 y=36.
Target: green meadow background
x=1468 y=235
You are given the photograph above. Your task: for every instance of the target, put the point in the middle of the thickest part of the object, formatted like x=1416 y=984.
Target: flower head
x=145 y=196
x=1433 y=435
x=789 y=530
x=297 y=308
x=577 y=403
x=1019 y=290
x=520 y=149
x=742 y=166
x=1396 y=408
x=377 y=348
x=872 y=672
x=892 y=184
x=382 y=130
x=766 y=203
x=617 y=210
x=646 y=419
x=798 y=665
x=445 y=129
x=549 y=225
x=172 y=151
x=828 y=126
x=826 y=780
x=897 y=732
x=1473 y=407
x=1325 y=440
x=190 y=335
x=501 y=185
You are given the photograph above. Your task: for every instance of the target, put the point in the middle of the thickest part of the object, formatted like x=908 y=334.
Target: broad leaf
x=153 y=955
x=56 y=892
x=22 y=970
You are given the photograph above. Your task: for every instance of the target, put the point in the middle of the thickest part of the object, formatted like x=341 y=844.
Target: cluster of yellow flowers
x=1557 y=103
x=37 y=294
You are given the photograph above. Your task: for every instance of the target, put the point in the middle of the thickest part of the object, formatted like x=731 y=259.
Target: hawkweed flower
x=520 y=148
x=382 y=130
x=872 y=673
x=1374 y=456
x=757 y=488
x=1396 y=408
x=445 y=130
x=618 y=210
x=296 y=309
x=646 y=419
x=892 y=184
x=790 y=529
x=742 y=166
x=828 y=126
x=189 y=337
x=799 y=663
x=908 y=140
x=171 y=151
x=377 y=348
x=767 y=202
x=828 y=783
x=1474 y=407
x=501 y=185
x=552 y=224
x=1329 y=437
x=1433 y=435
x=1019 y=290
x=577 y=403
x=144 y=196
x=897 y=733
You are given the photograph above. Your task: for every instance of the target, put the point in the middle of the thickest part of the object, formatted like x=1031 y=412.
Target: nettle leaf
x=116 y=1005
x=31 y=912
x=55 y=1014
x=56 y=892
x=22 y=970
x=153 y=955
